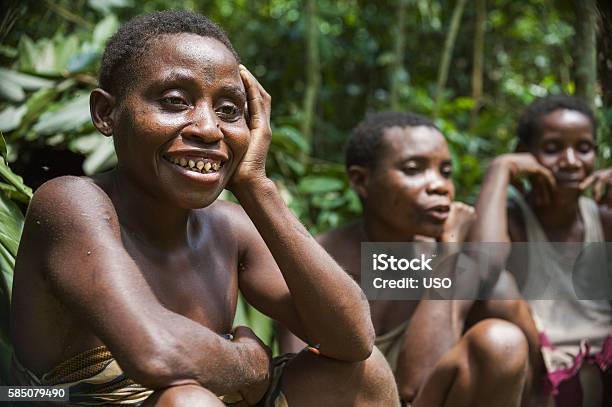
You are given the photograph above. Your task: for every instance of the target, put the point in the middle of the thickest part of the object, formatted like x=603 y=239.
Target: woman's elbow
x=154 y=366
x=356 y=349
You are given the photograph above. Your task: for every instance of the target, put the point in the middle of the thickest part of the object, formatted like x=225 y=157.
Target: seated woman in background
x=400 y=166
x=557 y=151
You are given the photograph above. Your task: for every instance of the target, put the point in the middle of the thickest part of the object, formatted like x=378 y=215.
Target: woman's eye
x=585 y=147
x=229 y=111
x=447 y=171
x=412 y=170
x=551 y=148
x=173 y=100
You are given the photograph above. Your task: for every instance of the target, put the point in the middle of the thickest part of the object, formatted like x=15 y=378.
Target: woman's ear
x=358 y=177
x=101 y=107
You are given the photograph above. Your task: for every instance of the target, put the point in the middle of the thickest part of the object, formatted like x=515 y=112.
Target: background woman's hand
x=520 y=165
x=600 y=181
x=459 y=221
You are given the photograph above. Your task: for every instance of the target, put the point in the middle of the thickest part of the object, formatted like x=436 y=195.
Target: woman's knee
x=369 y=382
x=378 y=377
x=498 y=346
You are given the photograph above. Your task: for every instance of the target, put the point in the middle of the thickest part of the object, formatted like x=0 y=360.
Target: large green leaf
x=291 y=138
x=36 y=104
x=13 y=193
x=11 y=91
x=70 y=116
x=10 y=118
x=27 y=53
x=102 y=158
x=105 y=6
x=27 y=82
x=319 y=184
x=104 y=30
x=3 y=150
x=11 y=220
x=13 y=179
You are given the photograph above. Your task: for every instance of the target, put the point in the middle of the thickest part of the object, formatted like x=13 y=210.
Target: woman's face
x=410 y=188
x=180 y=131
x=566 y=146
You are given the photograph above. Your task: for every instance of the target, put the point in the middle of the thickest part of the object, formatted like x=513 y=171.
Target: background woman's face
x=566 y=146
x=410 y=189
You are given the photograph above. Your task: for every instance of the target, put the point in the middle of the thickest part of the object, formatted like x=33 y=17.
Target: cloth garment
x=390 y=343
x=93 y=378
x=573 y=332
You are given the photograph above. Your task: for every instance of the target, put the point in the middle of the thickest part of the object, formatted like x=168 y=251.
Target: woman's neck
x=146 y=216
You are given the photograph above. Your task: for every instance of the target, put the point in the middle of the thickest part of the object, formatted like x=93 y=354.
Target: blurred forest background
x=474 y=65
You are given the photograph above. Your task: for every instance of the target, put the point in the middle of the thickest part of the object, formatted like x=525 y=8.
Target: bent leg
x=518 y=313
x=310 y=380
x=486 y=368
x=184 y=395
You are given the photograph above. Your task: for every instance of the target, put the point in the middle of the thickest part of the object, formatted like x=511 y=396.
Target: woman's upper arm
x=261 y=281
x=87 y=267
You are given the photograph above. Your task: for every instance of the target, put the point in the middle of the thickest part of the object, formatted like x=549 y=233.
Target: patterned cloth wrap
x=93 y=378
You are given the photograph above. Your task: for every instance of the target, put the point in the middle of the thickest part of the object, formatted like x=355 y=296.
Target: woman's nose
x=569 y=159
x=205 y=126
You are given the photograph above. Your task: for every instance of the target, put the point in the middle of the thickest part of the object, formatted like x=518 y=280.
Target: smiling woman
x=188 y=106
x=135 y=283
x=556 y=153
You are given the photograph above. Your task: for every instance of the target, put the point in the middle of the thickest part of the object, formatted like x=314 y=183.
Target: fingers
x=543 y=184
x=548 y=177
x=598 y=189
x=242 y=331
x=588 y=181
x=599 y=181
x=258 y=100
x=463 y=210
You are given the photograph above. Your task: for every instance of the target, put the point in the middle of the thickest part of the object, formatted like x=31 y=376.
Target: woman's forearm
x=331 y=306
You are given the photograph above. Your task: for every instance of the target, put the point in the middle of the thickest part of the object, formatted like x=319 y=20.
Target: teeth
x=198 y=166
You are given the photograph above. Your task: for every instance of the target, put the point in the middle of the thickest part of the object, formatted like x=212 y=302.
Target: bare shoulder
x=67 y=202
x=233 y=222
x=229 y=215
x=69 y=194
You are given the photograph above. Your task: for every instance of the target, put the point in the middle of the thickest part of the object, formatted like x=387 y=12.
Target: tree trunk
x=447 y=53
x=605 y=51
x=585 y=62
x=313 y=75
x=478 y=58
x=397 y=68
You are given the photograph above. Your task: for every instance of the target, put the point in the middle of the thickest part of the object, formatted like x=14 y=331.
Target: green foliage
x=12 y=192
x=46 y=92
x=50 y=61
